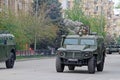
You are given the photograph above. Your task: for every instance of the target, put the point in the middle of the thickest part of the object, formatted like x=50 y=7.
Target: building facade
x=16 y=5
x=1 y=4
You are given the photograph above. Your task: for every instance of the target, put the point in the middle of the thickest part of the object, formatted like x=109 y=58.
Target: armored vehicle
x=86 y=50
x=113 y=48
x=7 y=49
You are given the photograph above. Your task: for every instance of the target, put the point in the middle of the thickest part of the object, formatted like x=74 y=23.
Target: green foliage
x=30 y=27
x=96 y=23
x=117 y=6
x=52 y=8
x=14 y=25
x=25 y=27
x=118 y=40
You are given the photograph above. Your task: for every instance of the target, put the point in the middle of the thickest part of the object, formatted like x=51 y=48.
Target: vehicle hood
x=78 y=48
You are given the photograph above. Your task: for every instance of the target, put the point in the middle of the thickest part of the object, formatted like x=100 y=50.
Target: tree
x=26 y=27
x=117 y=6
x=52 y=8
x=96 y=23
x=14 y=24
x=52 y=11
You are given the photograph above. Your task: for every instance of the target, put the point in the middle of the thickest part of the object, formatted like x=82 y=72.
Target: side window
x=10 y=38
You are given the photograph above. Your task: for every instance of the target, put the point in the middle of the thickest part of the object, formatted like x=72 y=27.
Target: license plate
x=72 y=59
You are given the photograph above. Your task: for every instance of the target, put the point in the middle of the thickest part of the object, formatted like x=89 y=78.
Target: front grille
x=69 y=54
x=73 y=55
x=77 y=55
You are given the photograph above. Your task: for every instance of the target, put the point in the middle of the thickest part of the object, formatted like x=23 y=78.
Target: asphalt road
x=44 y=69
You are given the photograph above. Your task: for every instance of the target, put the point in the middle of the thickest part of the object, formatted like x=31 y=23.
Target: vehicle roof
x=84 y=36
x=6 y=35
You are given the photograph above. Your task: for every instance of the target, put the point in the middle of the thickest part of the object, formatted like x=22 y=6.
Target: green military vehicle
x=86 y=50
x=113 y=48
x=7 y=49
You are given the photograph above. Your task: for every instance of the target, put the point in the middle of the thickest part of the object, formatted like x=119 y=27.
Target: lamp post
x=36 y=13
x=101 y=22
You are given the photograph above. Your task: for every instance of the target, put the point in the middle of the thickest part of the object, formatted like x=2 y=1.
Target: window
x=0 y=3
x=96 y=9
x=95 y=1
x=19 y=5
x=68 y=4
x=6 y=2
x=87 y=42
x=71 y=41
x=77 y=1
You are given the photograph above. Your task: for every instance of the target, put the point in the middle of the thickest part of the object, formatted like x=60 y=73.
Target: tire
x=101 y=65
x=10 y=61
x=110 y=52
x=119 y=52
x=71 y=67
x=91 y=65
x=59 y=66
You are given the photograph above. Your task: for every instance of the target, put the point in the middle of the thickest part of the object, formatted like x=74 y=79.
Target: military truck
x=113 y=48
x=7 y=49
x=85 y=50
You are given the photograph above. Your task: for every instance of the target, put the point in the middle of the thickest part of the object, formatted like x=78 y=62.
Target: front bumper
x=75 y=55
x=75 y=62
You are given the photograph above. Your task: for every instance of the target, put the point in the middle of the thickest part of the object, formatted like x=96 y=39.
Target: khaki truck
x=85 y=50
x=7 y=49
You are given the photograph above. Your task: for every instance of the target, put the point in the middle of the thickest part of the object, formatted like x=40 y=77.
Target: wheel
x=110 y=52
x=91 y=65
x=10 y=61
x=101 y=65
x=71 y=67
x=119 y=52
x=59 y=65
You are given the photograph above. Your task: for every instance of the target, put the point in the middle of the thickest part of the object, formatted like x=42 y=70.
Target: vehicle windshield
x=71 y=41
x=87 y=42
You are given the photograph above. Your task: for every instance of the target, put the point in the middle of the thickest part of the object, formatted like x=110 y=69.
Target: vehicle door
x=2 y=48
x=99 y=49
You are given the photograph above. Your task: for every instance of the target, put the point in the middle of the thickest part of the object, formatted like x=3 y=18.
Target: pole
x=36 y=25
x=101 y=19
x=36 y=8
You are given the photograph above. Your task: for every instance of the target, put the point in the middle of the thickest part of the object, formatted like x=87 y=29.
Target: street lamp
x=101 y=18
x=36 y=25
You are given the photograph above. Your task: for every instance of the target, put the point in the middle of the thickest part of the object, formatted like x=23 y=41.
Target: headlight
x=86 y=54
x=60 y=53
x=107 y=48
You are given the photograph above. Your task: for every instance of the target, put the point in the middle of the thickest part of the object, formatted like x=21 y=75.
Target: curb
x=27 y=59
